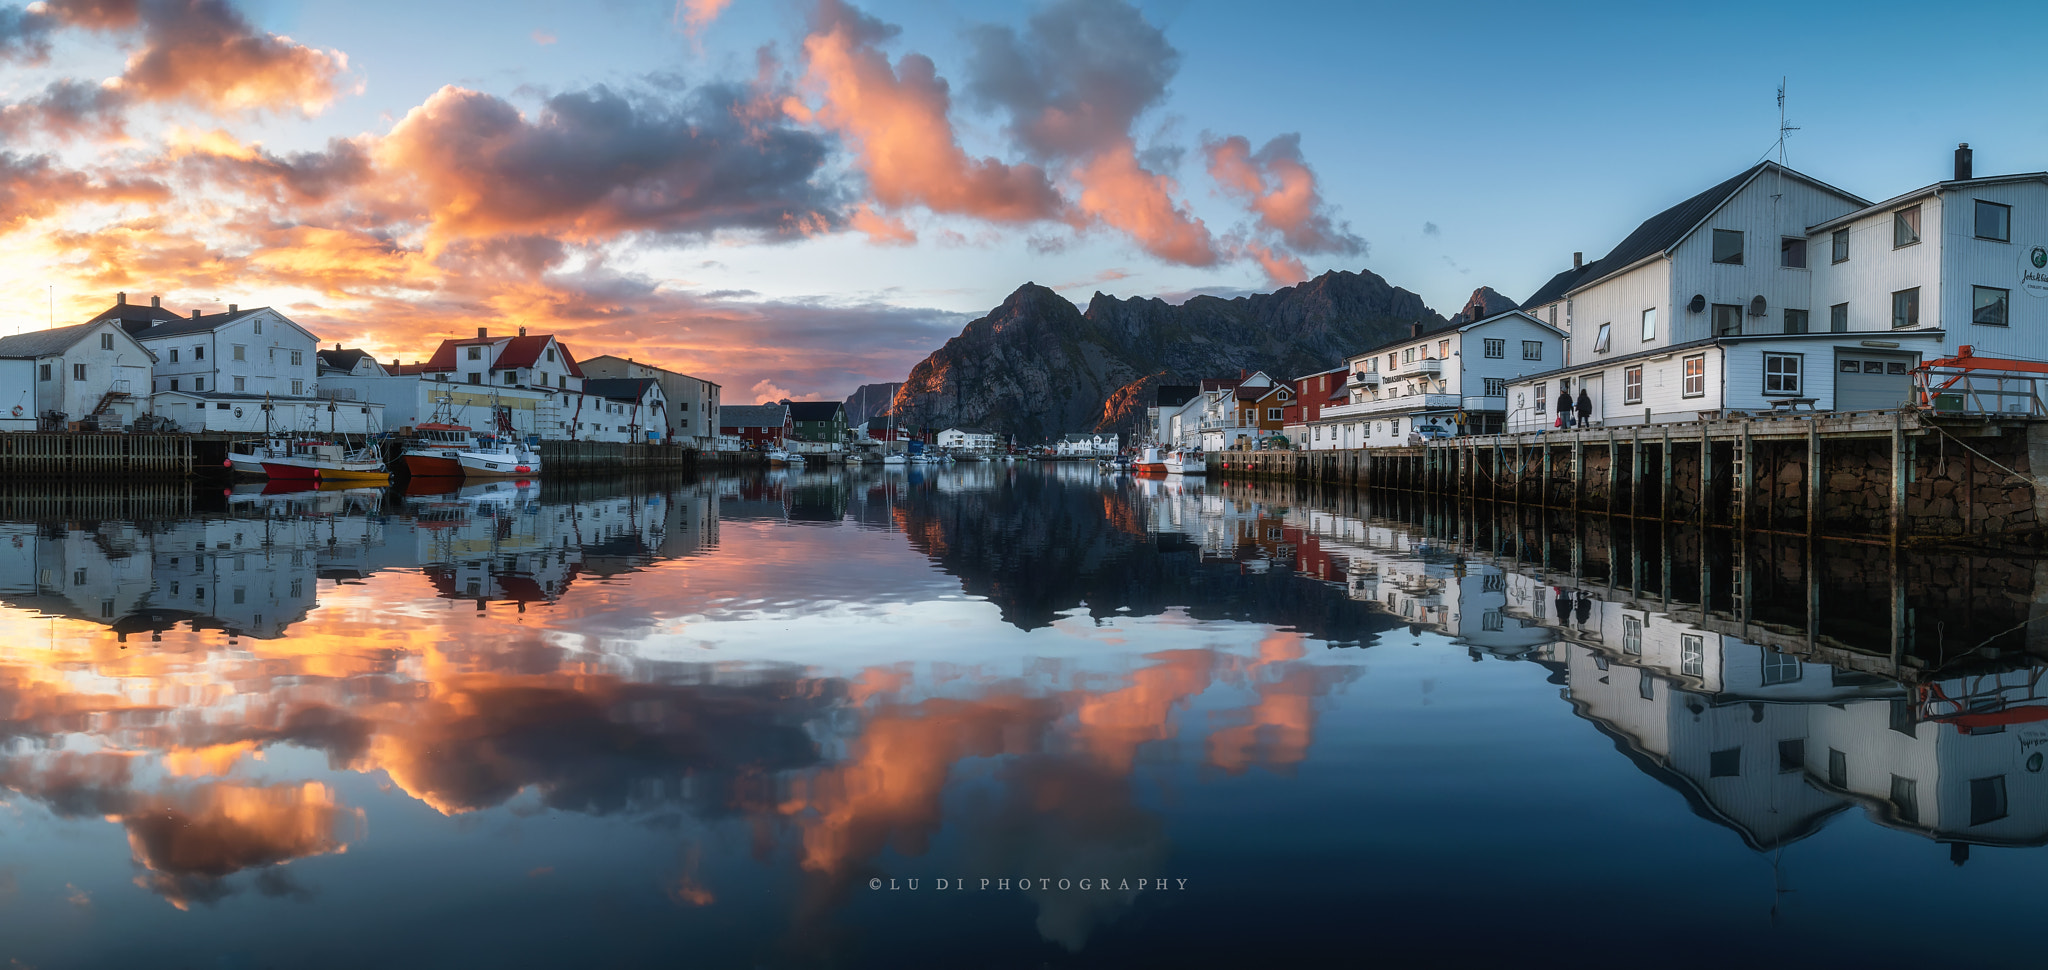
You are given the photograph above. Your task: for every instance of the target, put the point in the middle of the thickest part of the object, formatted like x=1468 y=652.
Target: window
x=1391 y=364
x=1989 y=306
x=174 y=383
x=1779 y=668
x=1841 y=245
x=199 y=353
x=1632 y=385
x=1838 y=768
x=1838 y=318
x=240 y=352
x=1851 y=367
x=1649 y=324
x=1496 y=348
x=1725 y=763
x=174 y=355
x=1692 y=655
x=298 y=358
x=1987 y=799
x=1272 y=414
x=46 y=373
x=1542 y=399
x=199 y=383
x=1994 y=221
x=241 y=385
x=1645 y=684
x=78 y=372
x=1603 y=339
x=298 y=388
x=1792 y=252
x=1695 y=376
x=1795 y=321
x=1902 y=719
x=1443 y=349
x=1496 y=387
x=476 y=377
x=1781 y=373
x=511 y=377
x=1408 y=356
x=1553 y=314
x=259 y=326
x=1728 y=246
x=1906 y=799
x=1791 y=754
x=222 y=406
x=1632 y=635
x=1532 y=350
x=551 y=355
x=106 y=341
x=1905 y=227
x=1906 y=308
x=1727 y=320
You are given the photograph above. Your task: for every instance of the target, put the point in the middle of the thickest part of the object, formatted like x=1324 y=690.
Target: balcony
x=1401 y=404
x=1432 y=366
x=1365 y=378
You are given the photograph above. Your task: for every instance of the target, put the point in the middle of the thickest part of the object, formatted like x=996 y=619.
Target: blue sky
x=1461 y=144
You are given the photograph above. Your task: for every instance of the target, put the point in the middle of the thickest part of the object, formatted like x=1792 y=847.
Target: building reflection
x=1769 y=735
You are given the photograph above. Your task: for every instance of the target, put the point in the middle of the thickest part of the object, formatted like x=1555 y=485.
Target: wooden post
x=1664 y=496
x=1493 y=485
x=1578 y=472
x=1812 y=480
x=1545 y=485
x=1748 y=476
x=1613 y=475
x=1898 y=477
x=1706 y=481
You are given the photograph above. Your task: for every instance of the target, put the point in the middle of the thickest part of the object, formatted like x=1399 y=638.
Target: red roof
x=517 y=352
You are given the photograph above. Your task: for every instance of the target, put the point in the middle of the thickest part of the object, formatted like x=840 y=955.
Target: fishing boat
x=494 y=457
x=433 y=455
x=314 y=460
x=782 y=458
x=247 y=457
x=1151 y=461
x=1182 y=461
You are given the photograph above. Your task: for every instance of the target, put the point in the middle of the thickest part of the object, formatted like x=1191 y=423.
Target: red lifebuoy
x=17 y=410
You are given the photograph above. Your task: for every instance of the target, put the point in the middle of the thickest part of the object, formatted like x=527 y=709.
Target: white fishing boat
x=782 y=459
x=492 y=457
x=1151 y=461
x=1185 y=462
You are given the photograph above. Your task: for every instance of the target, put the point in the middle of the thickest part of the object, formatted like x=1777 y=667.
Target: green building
x=817 y=420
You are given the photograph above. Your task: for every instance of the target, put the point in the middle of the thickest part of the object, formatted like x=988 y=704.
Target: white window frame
x=1632 y=384
x=1496 y=348
x=1649 y=324
x=1788 y=379
x=1603 y=339
x=1688 y=378
x=1906 y=227
x=1532 y=350
x=239 y=352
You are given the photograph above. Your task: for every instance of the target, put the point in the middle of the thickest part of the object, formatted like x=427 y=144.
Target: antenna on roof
x=1783 y=128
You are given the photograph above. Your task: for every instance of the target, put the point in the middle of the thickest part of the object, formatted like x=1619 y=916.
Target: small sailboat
x=896 y=458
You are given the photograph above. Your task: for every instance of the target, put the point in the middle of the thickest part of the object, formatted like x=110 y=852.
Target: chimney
x=522 y=331
x=1964 y=158
x=482 y=333
x=337 y=345
x=1578 y=260
x=233 y=308
x=195 y=314
x=1415 y=329
x=120 y=299
x=156 y=301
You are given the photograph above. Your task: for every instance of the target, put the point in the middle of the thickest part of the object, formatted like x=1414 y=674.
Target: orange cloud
x=1280 y=189
x=695 y=15
x=896 y=117
x=1122 y=194
x=189 y=844
x=1113 y=725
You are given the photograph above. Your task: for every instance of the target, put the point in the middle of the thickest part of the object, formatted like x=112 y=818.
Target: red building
x=1314 y=393
x=761 y=426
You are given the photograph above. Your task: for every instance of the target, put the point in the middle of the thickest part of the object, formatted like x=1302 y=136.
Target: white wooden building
x=258 y=352
x=967 y=439
x=232 y=413
x=1454 y=379
x=91 y=371
x=691 y=402
x=1086 y=444
x=626 y=408
x=537 y=362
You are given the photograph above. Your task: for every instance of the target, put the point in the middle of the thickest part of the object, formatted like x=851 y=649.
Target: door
x=1867 y=380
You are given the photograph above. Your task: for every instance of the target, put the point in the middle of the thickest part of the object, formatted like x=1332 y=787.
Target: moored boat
x=325 y=461
x=1151 y=461
x=434 y=454
x=1184 y=462
x=491 y=457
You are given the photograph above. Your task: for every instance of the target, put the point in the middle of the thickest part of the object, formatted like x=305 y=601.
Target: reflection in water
x=730 y=708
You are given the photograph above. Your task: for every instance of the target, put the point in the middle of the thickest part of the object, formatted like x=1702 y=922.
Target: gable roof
x=618 y=388
x=141 y=316
x=506 y=353
x=1663 y=231
x=752 y=416
x=203 y=323
x=340 y=359
x=1921 y=192
x=1555 y=290
x=815 y=410
x=45 y=343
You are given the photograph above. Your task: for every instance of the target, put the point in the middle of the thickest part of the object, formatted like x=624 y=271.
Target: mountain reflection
x=814 y=680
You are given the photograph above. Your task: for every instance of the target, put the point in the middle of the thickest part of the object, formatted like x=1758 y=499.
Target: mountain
x=870 y=401
x=1038 y=367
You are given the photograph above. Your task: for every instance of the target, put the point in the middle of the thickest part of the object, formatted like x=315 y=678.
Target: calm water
x=755 y=722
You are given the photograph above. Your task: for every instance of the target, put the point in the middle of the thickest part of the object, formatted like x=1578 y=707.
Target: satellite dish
x=1756 y=305
x=1698 y=303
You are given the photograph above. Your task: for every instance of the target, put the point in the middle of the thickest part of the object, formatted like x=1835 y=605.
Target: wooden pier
x=1890 y=475
x=33 y=456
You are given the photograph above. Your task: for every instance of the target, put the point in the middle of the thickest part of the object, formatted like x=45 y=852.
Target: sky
x=795 y=197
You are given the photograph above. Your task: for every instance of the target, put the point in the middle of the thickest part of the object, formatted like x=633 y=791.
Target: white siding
x=1763 y=220
x=1967 y=262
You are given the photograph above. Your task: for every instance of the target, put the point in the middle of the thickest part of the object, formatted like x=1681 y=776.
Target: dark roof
x=44 y=343
x=816 y=410
x=135 y=316
x=343 y=359
x=1664 y=230
x=203 y=323
x=1554 y=290
x=618 y=388
x=752 y=416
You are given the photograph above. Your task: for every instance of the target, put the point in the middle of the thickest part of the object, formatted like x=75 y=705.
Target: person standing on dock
x=1585 y=406
x=1564 y=409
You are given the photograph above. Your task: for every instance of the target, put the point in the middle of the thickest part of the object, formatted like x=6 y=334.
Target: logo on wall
x=2034 y=271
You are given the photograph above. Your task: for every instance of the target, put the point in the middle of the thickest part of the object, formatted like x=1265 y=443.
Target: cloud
x=204 y=52
x=68 y=108
x=35 y=186
x=695 y=15
x=598 y=163
x=189 y=845
x=543 y=38
x=1073 y=85
x=766 y=392
x=1280 y=189
x=1430 y=229
x=896 y=118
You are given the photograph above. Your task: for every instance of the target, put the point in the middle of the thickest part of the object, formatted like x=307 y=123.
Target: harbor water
x=1001 y=715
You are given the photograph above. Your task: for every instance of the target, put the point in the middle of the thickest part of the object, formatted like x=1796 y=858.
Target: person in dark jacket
x=1564 y=409
x=1585 y=407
